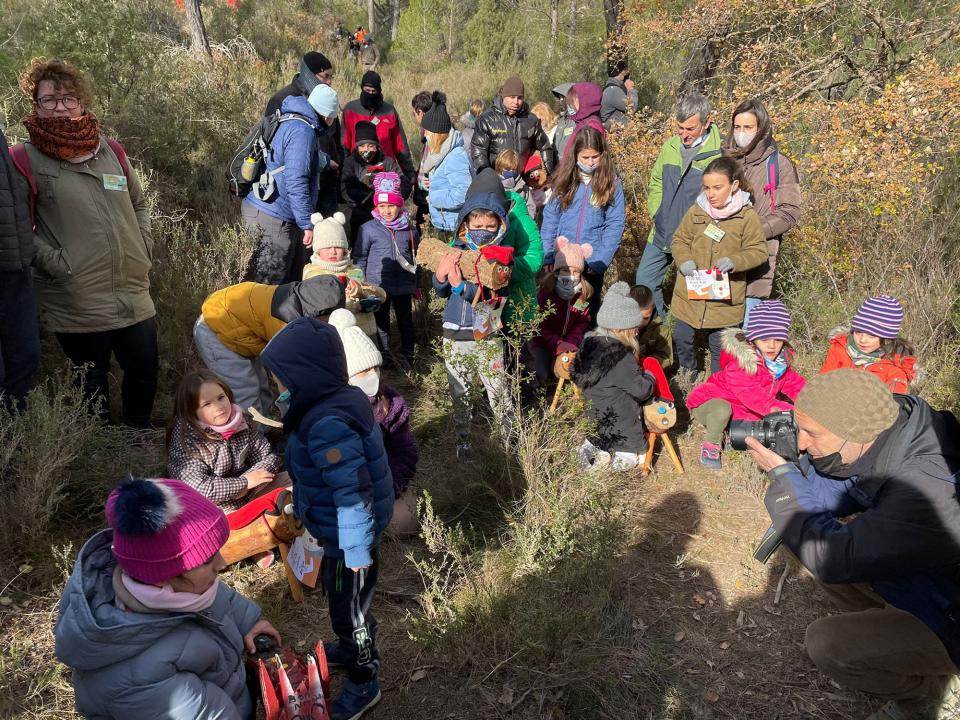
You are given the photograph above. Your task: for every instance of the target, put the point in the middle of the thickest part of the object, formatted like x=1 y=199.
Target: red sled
x=294 y=687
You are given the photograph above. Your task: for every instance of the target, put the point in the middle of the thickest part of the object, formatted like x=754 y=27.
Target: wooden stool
x=556 y=394
x=651 y=446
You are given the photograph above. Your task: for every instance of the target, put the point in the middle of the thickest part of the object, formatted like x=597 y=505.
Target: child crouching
x=609 y=375
x=755 y=377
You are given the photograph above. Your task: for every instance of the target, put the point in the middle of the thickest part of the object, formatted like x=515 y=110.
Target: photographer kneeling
x=894 y=567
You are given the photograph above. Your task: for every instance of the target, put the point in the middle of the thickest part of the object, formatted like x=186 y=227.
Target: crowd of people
x=535 y=191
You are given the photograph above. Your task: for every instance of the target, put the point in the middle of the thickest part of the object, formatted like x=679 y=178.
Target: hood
x=308 y=358
x=485 y=193
x=839 y=334
x=598 y=355
x=589 y=95
x=615 y=82
x=314 y=297
x=397 y=411
x=562 y=89
x=739 y=351
x=299 y=104
x=92 y=631
x=305 y=79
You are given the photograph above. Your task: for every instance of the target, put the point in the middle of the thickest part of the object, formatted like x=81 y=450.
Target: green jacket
x=94 y=247
x=675 y=187
x=524 y=237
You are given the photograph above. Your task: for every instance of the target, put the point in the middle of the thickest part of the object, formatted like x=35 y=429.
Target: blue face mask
x=777 y=367
x=509 y=175
x=587 y=169
x=476 y=239
x=283 y=402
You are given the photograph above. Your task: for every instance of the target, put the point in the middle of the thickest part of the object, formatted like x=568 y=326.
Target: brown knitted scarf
x=64 y=138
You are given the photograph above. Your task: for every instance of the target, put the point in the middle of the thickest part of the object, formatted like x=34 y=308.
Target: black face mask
x=367 y=155
x=371 y=101
x=833 y=465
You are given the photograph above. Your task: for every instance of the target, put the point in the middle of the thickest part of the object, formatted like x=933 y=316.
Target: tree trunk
x=394 y=19
x=554 y=27
x=613 y=19
x=572 y=34
x=450 y=26
x=371 y=17
x=198 y=33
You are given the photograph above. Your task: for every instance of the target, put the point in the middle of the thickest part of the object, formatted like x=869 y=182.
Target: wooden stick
x=292 y=580
x=556 y=395
x=673 y=453
x=648 y=460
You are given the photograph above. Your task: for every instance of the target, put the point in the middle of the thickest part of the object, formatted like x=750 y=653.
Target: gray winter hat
x=619 y=311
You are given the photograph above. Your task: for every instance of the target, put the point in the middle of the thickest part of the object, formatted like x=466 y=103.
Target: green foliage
x=420 y=33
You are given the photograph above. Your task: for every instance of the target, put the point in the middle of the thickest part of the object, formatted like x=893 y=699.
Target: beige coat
x=94 y=248
x=743 y=242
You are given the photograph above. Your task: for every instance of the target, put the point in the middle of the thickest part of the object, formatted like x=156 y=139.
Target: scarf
x=431 y=160
x=859 y=357
x=401 y=222
x=234 y=424
x=777 y=367
x=64 y=138
x=339 y=267
x=735 y=204
x=166 y=598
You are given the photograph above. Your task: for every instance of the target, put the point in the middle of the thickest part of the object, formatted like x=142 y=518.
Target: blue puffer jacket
x=375 y=252
x=458 y=313
x=584 y=222
x=905 y=536
x=132 y=662
x=342 y=486
x=448 y=186
x=295 y=148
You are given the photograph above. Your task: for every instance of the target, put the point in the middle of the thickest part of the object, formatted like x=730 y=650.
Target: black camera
x=776 y=431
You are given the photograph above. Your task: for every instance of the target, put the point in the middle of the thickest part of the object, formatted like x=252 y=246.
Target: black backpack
x=246 y=171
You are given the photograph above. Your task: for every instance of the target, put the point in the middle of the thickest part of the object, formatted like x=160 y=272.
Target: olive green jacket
x=94 y=247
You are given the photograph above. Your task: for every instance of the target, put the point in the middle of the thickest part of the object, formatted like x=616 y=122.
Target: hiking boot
x=355 y=699
x=903 y=710
x=337 y=656
x=710 y=456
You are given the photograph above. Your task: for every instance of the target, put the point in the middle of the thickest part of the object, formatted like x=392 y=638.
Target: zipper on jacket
x=583 y=210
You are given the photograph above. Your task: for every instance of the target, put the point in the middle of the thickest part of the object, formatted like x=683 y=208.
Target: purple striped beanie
x=881 y=316
x=768 y=320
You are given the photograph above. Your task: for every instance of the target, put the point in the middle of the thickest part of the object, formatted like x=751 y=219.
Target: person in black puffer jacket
x=509 y=125
x=19 y=335
x=608 y=373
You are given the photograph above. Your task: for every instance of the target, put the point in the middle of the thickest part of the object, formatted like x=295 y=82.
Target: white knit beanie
x=361 y=353
x=329 y=232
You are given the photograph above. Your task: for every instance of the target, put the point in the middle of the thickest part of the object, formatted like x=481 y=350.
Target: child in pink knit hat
x=565 y=295
x=144 y=618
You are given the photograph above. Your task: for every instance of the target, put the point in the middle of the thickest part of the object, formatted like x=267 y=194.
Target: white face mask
x=370 y=384
x=743 y=139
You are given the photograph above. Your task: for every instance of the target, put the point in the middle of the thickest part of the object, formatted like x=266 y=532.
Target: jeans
x=278 y=254
x=135 y=348
x=752 y=302
x=651 y=271
x=685 y=346
x=403 y=310
x=350 y=594
x=19 y=335
x=466 y=360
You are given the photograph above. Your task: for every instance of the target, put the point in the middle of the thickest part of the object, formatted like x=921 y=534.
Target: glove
x=724 y=264
x=687 y=268
x=370 y=304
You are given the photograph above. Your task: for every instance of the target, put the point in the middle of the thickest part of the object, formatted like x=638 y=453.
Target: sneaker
x=355 y=699
x=710 y=456
x=337 y=656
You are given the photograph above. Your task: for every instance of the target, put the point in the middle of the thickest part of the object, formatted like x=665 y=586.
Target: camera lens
x=740 y=430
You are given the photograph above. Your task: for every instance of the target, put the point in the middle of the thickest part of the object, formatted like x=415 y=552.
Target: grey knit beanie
x=852 y=404
x=619 y=311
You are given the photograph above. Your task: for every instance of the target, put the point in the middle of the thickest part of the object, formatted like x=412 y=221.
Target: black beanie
x=436 y=119
x=371 y=79
x=365 y=132
x=487 y=181
x=317 y=62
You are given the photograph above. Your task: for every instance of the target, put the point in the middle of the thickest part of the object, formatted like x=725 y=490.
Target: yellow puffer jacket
x=240 y=316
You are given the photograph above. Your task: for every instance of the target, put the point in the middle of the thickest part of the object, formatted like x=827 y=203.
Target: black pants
x=19 y=336
x=685 y=346
x=278 y=253
x=403 y=310
x=596 y=282
x=350 y=595
x=135 y=348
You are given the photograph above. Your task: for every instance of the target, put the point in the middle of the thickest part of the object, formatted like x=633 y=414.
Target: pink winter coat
x=745 y=382
x=563 y=329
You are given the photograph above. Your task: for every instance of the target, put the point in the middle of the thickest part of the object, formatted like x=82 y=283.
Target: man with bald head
x=871 y=510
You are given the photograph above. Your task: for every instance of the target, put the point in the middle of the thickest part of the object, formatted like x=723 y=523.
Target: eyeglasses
x=50 y=102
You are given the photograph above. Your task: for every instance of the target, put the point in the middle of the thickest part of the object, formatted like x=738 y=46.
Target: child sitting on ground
x=650 y=338
x=874 y=344
x=565 y=295
x=385 y=252
x=331 y=257
x=391 y=413
x=607 y=370
x=343 y=491
x=755 y=377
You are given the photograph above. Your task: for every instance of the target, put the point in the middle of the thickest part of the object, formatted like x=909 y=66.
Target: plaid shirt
x=215 y=468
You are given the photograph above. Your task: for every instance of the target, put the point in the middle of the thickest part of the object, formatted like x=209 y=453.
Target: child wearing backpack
x=755 y=379
x=343 y=492
x=608 y=372
x=385 y=252
x=390 y=411
x=873 y=343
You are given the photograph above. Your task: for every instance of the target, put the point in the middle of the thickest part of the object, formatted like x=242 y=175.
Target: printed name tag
x=581 y=305
x=114 y=182
x=714 y=233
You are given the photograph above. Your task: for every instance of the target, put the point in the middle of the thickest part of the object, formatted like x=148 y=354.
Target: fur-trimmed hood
x=598 y=355
x=734 y=343
x=841 y=331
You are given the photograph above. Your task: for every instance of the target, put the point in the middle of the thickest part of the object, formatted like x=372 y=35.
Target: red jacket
x=745 y=382
x=393 y=141
x=897 y=371
x=563 y=329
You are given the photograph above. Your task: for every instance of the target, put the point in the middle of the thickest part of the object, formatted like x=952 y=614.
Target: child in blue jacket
x=343 y=491
x=587 y=206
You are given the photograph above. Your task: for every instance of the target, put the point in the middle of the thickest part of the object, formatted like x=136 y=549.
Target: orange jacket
x=896 y=371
